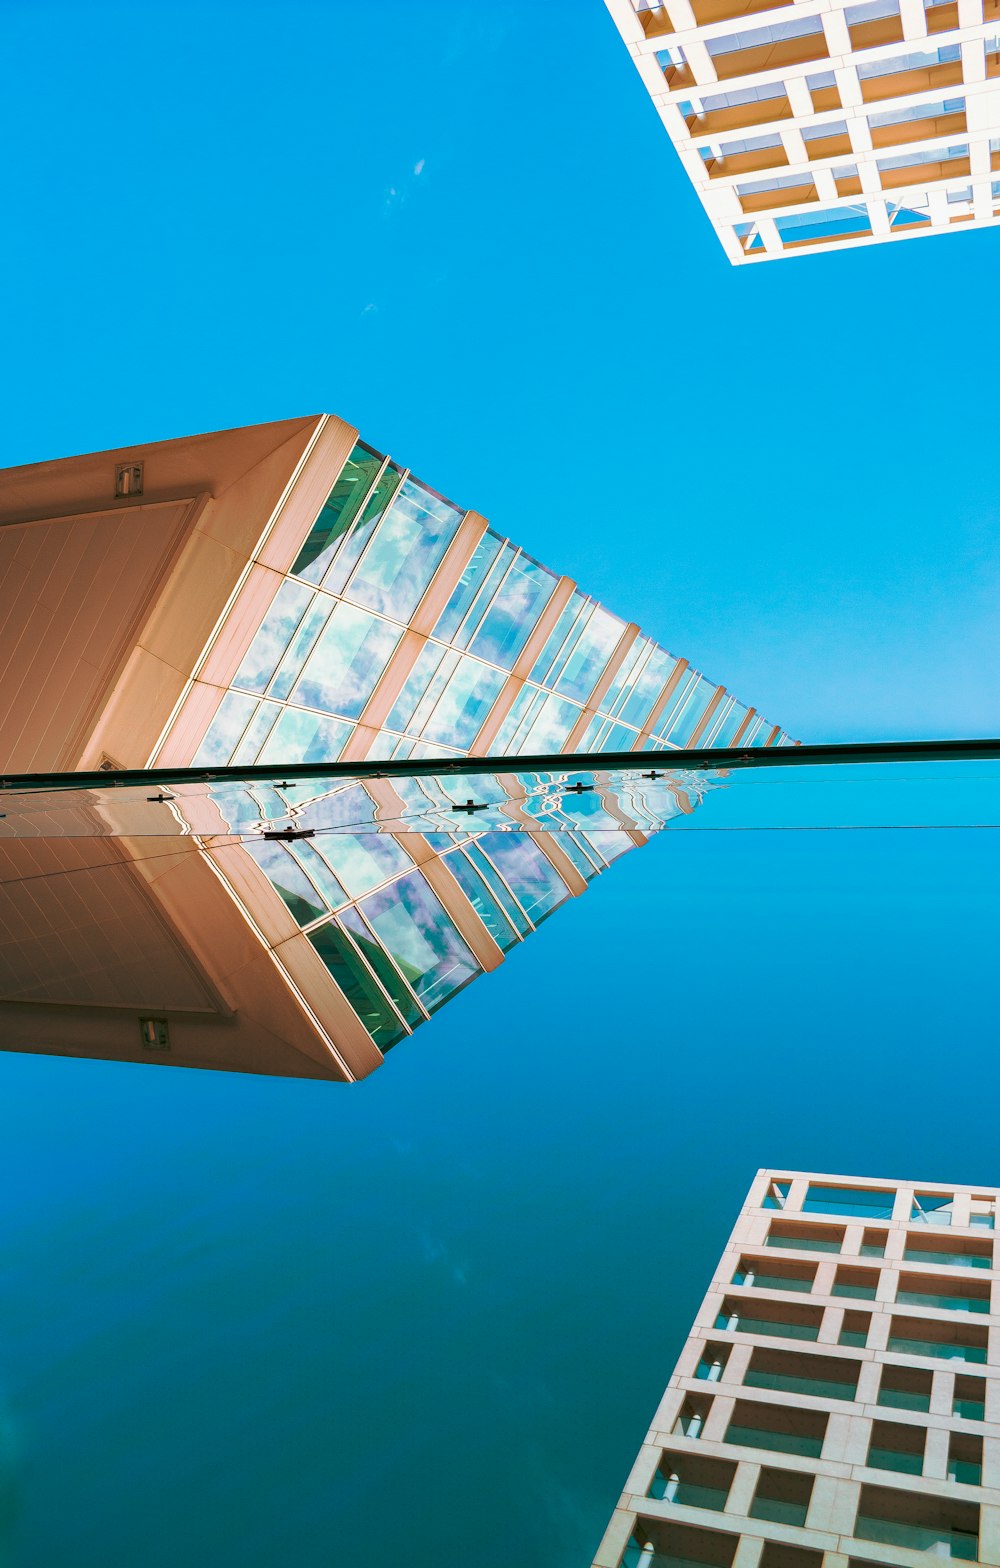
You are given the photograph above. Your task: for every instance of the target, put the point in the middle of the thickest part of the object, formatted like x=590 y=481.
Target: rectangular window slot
x=657 y=1543
x=782 y=1496
x=943 y=1341
x=776 y=1274
x=782 y=1319
x=855 y=1329
x=969 y=1400
x=798 y=1372
x=693 y=1480
x=945 y=1295
x=785 y=1429
x=873 y=1244
x=777 y=1555
x=897 y=1447
x=869 y=1203
x=861 y=1284
x=776 y=1195
x=957 y=1252
x=905 y=1388
x=965 y=1459
x=789 y=1236
x=919 y=1523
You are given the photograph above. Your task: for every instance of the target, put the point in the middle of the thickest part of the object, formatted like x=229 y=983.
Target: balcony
x=754 y=161
x=657 y=1543
x=918 y=1523
x=786 y=1234
x=919 y=173
x=761 y=1274
x=783 y=45
x=795 y=194
x=739 y=111
x=781 y=1320
x=836 y=145
x=969 y=1399
x=957 y=1252
x=859 y=1284
x=782 y=1497
x=778 y=1428
x=923 y=130
x=942 y=18
x=905 y=1388
x=929 y=78
x=795 y=1372
x=942 y=1341
x=945 y=1295
x=706 y=11
x=693 y=1481
x=897 y=1447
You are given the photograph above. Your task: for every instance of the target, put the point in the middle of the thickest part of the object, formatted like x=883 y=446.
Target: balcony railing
x=918 y=1537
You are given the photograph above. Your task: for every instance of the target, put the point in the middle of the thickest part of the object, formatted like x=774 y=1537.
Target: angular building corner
x=805 y=125
x=285 y=594
x=837 y=1403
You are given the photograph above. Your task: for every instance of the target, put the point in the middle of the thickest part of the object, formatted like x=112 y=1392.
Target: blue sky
x=463 y=229
x=245 y=1321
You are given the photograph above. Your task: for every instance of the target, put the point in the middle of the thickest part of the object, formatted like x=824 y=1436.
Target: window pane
x=358 y=985
x=686 y=723
x=464 y=704
x=472 y=580
x=586 y=663
x=339 y=511
x=231 y=719
x=360 y=861
x=391 y=980
x=513 y=615
x=533 y=879
x=414 y=928
x=288 y=879
x=275 y=633
x=347 y=556
x=405 y=551
x=482 y=901
x=345 y=667
x=305 y=737
x=550 y=726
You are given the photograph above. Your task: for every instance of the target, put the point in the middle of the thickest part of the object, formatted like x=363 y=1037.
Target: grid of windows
x=508 y=657
x=879 y=1434
x=907 y=77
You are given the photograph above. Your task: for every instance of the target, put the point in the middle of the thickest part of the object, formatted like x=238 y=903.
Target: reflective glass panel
x=404 y=553
x=347 y=662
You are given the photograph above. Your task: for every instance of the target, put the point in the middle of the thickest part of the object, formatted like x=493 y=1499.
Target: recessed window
x=692 y=1416
x=897 y=1447
x=693 y=1480
x=969 y=1400
x=944 y=1341
x=873 y=1244
x=782 y=1428
x=855 y=1329
x=678 y=1545
x=782 y=1496
x=765 y=1274
x=795 y=1372
x=790 y=1236
x=905 y=1388
x=712 y=1362
x=945 y=1295
x=859 y=1283
x=959 y=1252
x=920 y=1523
x=870 y=1203
x=965 y=1459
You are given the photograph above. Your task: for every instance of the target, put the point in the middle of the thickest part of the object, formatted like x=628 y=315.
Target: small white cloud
x=371 y=306
x=418 y=167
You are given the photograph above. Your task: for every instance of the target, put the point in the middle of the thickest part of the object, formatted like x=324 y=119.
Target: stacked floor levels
x=837 y=1404
x=807 y=125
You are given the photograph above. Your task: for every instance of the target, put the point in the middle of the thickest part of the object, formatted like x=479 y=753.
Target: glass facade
x=518 y=660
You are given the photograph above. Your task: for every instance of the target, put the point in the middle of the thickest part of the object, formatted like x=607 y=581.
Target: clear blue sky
x=246 y=1322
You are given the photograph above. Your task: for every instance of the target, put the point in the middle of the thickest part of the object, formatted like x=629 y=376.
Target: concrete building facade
x=810 y=125
x=837 y=1404
x=286 y=594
